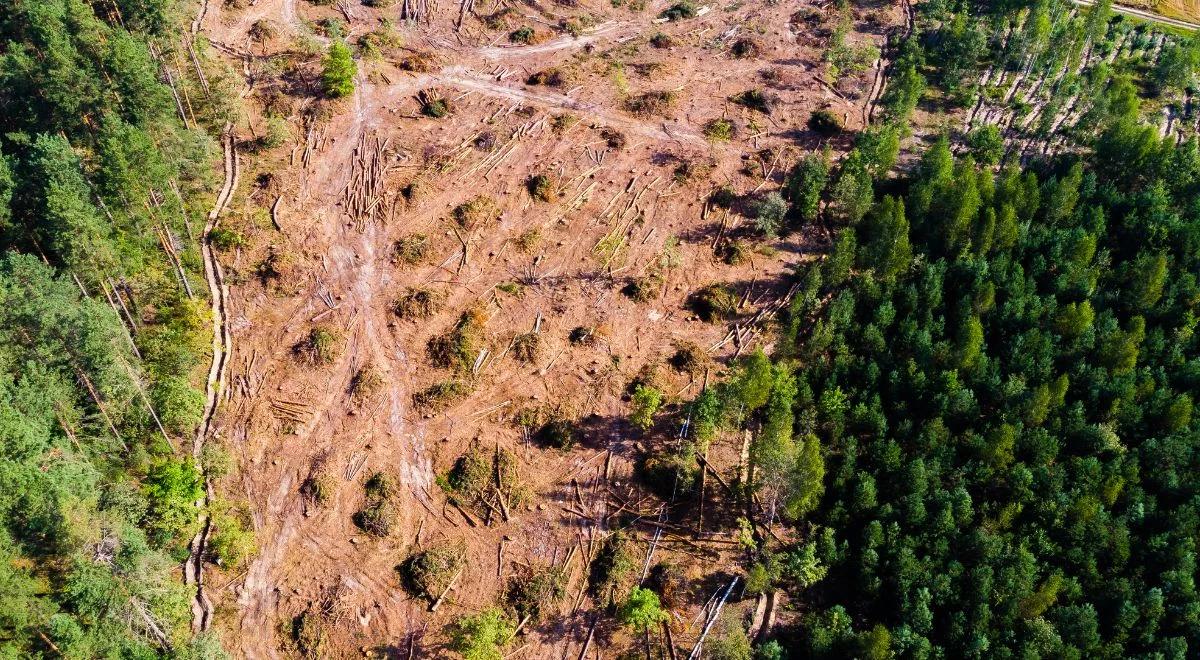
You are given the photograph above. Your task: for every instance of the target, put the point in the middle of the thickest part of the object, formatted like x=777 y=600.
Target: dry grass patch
x=650 y=104
x=418 y=303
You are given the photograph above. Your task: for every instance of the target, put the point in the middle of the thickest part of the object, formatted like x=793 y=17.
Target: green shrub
x=642 y=289
x=459 y=346
x=433 y=105
x=745 y=47
x=613 y=569
x=378 y=514
x=427 y=574
x=441 y=395
x=542 y=188
x=642 y=611
x=527 y=346
x=552 y=77
x=476 y=211
x=986 y=144
x=680 y=11
x=179 y=405
x=825 y=122
x=719 y=130
x=226 y=239
x=534 y=590
x=172 y=489
x=231 y=537
x=755 y=99
x=522 y=35
x=650 y=103
x=322 y=346
x=646 y=402
x=557 y=431
x=339 y=69
x=689 y=358
x=769 y=213
x=481 y=636
x=582 y=336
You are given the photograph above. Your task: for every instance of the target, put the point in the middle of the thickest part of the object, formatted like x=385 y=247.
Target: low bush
x=427 y=574
x=755 y=99
x=418 y=303
x=679 y=11
x=542 y=188
x=719 y=130
x=378 y=514
x=715 y=302
x=614 y=569
x=441 y=395
x=825 y=122
x=689 y=358
x=534 y=590
x=476 y=211
x=745 y=47
x=642 y=289
x=650 y=103
x=661 y=40
x=582 y=336
x=365 y=385
x=458 y=347
x=322 y=346
x=527 y=346
x=552 y=77
x=411 y=249
x=523 y=35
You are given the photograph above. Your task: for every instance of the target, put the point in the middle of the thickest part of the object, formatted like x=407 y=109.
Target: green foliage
x=613 y=568
x=458 y=347
x=535 y=591
x=542 y=188
x=645 y=404
x=338 y=70
x=680 y=11
x=1003 y=369
x=769 y=213
x=641 y=610
x=481 y=636
x=172 y=489
x=986 y=144
x=92 y=156
x=522 y=35
x=806 y=184
x=719 y=130
x=825 y=122
x=843 y=58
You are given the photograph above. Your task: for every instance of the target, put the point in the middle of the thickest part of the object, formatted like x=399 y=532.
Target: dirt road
x=1144 y=15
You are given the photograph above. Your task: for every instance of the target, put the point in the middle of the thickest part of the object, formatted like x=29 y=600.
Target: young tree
x=769 y=213
x=339 y=70
x=645 y=404
x=481 y=636
x=986 y=144
x=806 y=184
x=641 y=610
x=887 y=248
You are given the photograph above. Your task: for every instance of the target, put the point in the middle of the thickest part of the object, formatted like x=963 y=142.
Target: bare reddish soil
x=329 y=205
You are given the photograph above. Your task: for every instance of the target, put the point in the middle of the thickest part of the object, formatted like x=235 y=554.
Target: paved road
x=1143 y=14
